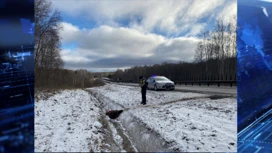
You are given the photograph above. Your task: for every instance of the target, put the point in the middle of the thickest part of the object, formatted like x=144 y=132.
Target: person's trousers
x=143 y=96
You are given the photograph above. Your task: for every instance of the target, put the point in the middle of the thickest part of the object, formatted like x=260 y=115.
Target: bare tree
x=47 y=41
x=199 y=53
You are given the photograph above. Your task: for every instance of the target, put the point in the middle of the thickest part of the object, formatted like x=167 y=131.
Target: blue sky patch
x=71 y=46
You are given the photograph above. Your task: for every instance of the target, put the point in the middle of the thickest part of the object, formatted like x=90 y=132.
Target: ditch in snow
x=127 y=133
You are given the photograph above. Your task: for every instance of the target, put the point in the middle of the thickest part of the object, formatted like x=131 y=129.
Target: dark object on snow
x=143 y=84
x=113 y=114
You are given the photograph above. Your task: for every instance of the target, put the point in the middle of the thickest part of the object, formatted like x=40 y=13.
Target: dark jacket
x=143 y=83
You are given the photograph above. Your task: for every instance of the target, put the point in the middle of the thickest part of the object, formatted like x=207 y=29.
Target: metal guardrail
x=208 y=83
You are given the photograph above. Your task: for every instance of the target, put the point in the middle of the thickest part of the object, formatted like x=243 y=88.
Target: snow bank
x=67 y=122
x=195 y=125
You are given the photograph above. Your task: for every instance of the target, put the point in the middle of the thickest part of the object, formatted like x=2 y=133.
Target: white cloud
x=166 y=16
x=152 y=33
x=196 y=29
x=69 y=32
x=108 y=47
x=74 y=56
x=229 y=11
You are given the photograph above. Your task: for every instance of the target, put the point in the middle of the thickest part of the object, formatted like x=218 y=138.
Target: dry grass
x=48 y=91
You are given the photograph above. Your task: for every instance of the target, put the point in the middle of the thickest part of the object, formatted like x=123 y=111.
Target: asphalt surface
x=210 y=89
x=257 y=137
x=224 y=90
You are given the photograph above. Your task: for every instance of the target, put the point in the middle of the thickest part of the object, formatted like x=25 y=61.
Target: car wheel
x=155 y=87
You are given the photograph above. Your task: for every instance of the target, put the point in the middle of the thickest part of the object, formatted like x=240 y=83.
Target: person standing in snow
x=143 y=85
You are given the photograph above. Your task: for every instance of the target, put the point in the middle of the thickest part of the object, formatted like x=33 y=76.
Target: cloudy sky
x=103 y=35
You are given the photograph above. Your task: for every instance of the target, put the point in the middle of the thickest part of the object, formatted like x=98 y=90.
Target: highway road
x=257 y=137
x=210 y=89
x=225 y=90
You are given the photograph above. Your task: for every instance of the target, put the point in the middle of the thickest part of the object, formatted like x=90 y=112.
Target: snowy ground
x=67 y=122
x=131 y=96
x=196 y=125
x=75 y=121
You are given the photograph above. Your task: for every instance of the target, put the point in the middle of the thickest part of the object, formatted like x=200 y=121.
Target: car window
x=161 y=79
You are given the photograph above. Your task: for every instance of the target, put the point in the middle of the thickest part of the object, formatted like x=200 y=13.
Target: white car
x=160 y=82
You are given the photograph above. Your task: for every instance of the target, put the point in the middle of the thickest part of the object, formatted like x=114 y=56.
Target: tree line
x=214 y=59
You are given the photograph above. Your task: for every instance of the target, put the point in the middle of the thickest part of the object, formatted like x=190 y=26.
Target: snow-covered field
x=197 y=125
x=67 y=122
